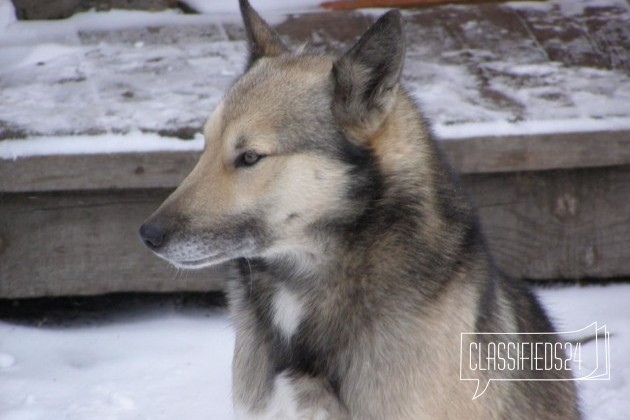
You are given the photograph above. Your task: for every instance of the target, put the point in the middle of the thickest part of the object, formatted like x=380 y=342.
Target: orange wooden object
x=357 y=4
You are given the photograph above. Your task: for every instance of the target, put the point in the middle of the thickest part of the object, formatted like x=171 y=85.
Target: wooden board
x=85 y=244
x=96 y=172
x=538 y=152
x=484 y=63
x=555 y=206
x=561 y=224
x=168 y=169
x=599 y=37
x=358 y=4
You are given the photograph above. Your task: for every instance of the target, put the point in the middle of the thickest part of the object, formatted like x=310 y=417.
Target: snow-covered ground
x=168 y=365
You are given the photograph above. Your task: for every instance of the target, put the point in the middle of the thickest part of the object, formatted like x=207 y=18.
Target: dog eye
x=248 y=158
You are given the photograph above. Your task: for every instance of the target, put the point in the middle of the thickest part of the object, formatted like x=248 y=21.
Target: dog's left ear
x=263 y=41
x=367 y=76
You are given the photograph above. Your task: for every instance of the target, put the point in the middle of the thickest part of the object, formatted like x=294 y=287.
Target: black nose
x=152 y=235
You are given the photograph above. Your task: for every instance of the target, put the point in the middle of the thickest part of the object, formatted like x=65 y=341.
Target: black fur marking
x=351 y=153
x=379 y=54
x=300 y=355
x=367 y=184
x=486 y=321
x=364 y=191
x=296 y=354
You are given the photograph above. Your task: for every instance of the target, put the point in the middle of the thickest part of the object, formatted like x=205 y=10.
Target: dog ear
x=367 y=76
x=263 y=41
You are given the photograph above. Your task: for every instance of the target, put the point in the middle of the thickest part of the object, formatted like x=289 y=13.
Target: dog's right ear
x=263 y=41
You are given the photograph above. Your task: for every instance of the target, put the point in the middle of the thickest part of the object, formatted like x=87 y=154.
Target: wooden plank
x=96 y=172
x=486 y=35
x=609 y=31
x=509 y=62
x=168 y=169
x=561 y=224
x=329 y=32
x=572 y=224
x=538 y=152
x=563 y=38
x=85 y=243
x=497 y=31
x=554 y=206
x=597 y=37
x=357 y=4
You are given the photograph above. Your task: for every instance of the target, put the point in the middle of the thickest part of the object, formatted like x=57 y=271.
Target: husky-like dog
x=359 y=261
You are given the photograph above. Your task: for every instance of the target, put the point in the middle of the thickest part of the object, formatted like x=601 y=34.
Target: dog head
x=286 y=150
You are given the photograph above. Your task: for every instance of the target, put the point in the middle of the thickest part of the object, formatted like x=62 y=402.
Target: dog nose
x=152 y=235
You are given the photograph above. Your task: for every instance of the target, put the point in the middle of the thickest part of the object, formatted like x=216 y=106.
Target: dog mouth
x=195 y=264
x=186 y=250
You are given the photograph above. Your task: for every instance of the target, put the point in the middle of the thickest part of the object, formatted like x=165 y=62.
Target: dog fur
x=358 y=259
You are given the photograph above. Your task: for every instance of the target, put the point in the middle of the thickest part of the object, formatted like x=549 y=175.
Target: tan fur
x=352 y=220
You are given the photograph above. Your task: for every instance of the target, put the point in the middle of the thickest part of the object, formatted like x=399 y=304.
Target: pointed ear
x=367 y=76
x=262 y=39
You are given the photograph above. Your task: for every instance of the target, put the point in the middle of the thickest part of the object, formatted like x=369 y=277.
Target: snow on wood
x=476 y=70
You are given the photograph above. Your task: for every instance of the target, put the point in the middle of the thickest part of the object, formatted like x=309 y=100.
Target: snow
x=103 y=143
x=165 y=364
x=570 y=8
x=572 y=308
x=222 y=6
x=86 y=76
x=523 y=128
x=163 y=367
x=7 y=14
x=140 y=80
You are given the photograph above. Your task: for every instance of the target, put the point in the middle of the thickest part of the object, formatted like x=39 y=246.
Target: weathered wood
x=571 y=224
x=168 y=169
x=598 y=37
x=358 y=4
x=96 y=172
x=498 y=62
x=555 y=206
x=538 y=152
x=610 y=33
x=561 y=224
x=60 y=9
x=85 y=243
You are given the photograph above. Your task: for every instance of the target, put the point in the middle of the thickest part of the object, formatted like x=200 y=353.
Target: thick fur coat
x=358 y=259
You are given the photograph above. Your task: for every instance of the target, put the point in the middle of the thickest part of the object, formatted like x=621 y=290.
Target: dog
x=358 y=261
